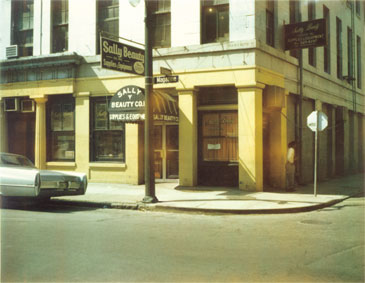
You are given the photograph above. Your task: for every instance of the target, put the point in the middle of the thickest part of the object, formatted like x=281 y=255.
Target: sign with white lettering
x=166 y=79
x=121 y=57
x=128 y=104
x=305 y=34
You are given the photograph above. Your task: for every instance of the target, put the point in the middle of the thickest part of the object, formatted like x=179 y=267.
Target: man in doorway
x=290 y=167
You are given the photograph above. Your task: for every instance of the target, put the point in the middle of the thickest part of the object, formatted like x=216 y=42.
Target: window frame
x=327 y=47
x=102 y=21
x=58 y=28
x=339 y=48
x=54 y=131
x=359 y=68
x=312 y=52
x=218 y=7
x=157 y=13
x=350 y=55
x=294 y=17
x=106 y=130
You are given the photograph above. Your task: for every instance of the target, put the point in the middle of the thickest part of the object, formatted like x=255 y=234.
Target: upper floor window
x=59 y=25
x=358 y=50
x=294 y=13
x=357 y=7
x=327 y=48
x=161 y=23
x=312 y=16
x=339 y=47
x=22 y=26
x=108 y=19
x=215 y=17
x=350 y=71
x=270 y=23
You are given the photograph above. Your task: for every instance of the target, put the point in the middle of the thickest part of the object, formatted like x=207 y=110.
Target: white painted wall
x=185 y=22
x=242 y=20
x=5 y=26
x=131 y=21
x=82 y=27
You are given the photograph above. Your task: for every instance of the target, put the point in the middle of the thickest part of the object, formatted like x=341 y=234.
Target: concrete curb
x=166 y=208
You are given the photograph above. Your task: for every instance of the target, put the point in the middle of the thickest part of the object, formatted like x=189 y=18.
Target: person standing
x=290 y=167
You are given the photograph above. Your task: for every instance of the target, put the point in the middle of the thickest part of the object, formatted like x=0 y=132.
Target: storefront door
x=166 y=143
x=21 y=133
x=218 y=148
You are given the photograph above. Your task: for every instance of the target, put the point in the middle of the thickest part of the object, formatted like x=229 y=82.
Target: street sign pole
x=316 y=156
x=150 y=194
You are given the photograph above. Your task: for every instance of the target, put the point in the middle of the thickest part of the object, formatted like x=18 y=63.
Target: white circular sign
x=322 y=121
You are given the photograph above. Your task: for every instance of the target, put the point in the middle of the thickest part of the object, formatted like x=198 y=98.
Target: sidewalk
x=218 y=199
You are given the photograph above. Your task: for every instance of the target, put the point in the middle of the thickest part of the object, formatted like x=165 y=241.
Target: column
x=188 y=138
x=250 y=145
x=82 y=130
x=40 y=133
x=3 y=128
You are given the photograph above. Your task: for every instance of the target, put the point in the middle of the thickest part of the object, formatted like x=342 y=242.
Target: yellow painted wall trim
x=218 y=107
x=82 y=94
x=251 y=87
x=40 y=99
x=60 y=164
x=108 y=165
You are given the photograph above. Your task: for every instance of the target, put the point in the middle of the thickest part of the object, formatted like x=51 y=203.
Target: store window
x=220 y=136
x=59 y=26
x=22 y=26
x=161 y=23
x=270 y=23
x=215 y=17
x=312 y=16
x=108 y=19
x=108 y=137
x=61 y=128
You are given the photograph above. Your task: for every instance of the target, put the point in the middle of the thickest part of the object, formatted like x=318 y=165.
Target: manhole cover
x=316 y=222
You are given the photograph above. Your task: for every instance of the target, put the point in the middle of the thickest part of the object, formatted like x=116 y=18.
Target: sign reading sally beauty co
x=127 y=105
x=305 y=34
x=121 y=57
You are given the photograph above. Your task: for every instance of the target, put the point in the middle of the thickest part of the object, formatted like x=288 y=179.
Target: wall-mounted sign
x=305 y=34
x=121 y=57
x=165 y=79
x=128 y=105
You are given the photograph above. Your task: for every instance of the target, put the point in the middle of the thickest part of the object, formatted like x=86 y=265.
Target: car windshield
x=15 y=160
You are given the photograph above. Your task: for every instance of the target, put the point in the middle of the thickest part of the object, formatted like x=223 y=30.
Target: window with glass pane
x=312 y=16
x=161 y=23
x=220 y=136
x=22 y=22
x=349 y=53
x=108 y=137
x=358 y=45
x=339 y=47
x=108 y=19
x=215 y=21
x=270 y=35
x=59 y=25
x=61 y=128
x=326 y=48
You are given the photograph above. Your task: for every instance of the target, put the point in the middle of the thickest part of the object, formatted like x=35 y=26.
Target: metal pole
x=300 y=146
x=315 y=155
x=150 y=195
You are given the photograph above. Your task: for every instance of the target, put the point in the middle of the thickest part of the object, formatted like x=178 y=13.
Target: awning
x=128 y=105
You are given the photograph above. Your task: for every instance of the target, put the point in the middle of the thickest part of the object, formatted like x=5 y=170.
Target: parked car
x=20 y=178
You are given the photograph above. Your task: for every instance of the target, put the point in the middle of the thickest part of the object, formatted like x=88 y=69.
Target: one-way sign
x=166 y=79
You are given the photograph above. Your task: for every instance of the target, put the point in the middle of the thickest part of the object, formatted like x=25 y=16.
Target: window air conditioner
x=27 y=105
x=11 y=104
x=12 y=51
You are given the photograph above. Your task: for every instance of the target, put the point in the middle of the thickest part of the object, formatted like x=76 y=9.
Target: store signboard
x=118 y=56
x=305 y=34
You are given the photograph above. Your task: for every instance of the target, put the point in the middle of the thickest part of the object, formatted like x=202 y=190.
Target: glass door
x=166 y=143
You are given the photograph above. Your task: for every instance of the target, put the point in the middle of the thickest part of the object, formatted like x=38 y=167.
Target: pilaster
x=188 y=137
x=40 y=153
x=3 y=128
x=250 y=146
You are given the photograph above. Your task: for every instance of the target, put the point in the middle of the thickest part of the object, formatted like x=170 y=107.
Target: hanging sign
x=121 y=57
x=127 y=105
x=305 y=34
